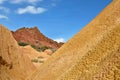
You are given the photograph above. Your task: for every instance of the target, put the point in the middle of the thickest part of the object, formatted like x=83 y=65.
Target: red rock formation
x=34 y=37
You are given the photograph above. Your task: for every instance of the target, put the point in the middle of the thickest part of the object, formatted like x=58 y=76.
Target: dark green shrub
x=43 y=48
x=22 y=44
x=36 y=48
x=33 y=46
x=40 y=49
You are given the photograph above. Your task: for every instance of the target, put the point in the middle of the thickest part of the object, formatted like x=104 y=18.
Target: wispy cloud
x=21 y=1
x=25 y=1
x=3 y=17
x=31 y=10
x=60 y=40
x=4 y=9
x=1 y=1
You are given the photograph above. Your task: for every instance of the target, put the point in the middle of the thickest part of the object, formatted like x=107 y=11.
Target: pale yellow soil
x=92 y=54
x=33 y=54
x=14 y=65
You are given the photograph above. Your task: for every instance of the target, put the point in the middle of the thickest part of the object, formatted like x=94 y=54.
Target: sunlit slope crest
x=92 y=54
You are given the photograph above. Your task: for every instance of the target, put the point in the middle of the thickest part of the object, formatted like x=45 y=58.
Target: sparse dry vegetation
x=34 y=60
x=43 y=48
x=40 y=59
x=22 y=44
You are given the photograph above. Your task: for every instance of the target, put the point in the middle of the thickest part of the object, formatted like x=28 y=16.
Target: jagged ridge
x=34 y=37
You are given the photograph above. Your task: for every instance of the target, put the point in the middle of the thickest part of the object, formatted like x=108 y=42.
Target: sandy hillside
x=14 y=65
x=37 y=58
x=92 y=54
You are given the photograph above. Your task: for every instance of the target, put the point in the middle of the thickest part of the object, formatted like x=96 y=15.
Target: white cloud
x=16 y=1
x=60 y=40
x=3 y=17
x=1 y=1
x=25 y=1
x=6 y=10
x=21 y=1
x=31 y=9
x=34 y=1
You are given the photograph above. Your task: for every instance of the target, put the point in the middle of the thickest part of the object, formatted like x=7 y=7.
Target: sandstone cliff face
x=92 y=54
x=34 y=37
x=13 y=64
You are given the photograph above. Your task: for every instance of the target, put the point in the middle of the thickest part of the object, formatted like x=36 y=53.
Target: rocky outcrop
x=14 y=65
x=92 y=54
x=34 y=37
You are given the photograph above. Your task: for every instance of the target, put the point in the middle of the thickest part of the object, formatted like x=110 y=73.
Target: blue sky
x=57 y=19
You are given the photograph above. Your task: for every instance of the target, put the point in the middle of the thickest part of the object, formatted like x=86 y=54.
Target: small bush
x=36 y=48
x=40 y=57
x=40 y=49
x=22 y=44
x=43 y=48
x=34 y=60
x=33 y=46
x=41 y=61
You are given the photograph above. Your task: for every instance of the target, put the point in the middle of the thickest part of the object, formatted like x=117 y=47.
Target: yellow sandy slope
x=14 y=65
x=35 y=55
x=92 y=54
x=16 y=62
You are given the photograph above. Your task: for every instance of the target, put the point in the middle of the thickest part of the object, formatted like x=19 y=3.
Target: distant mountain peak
x=33 y=36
